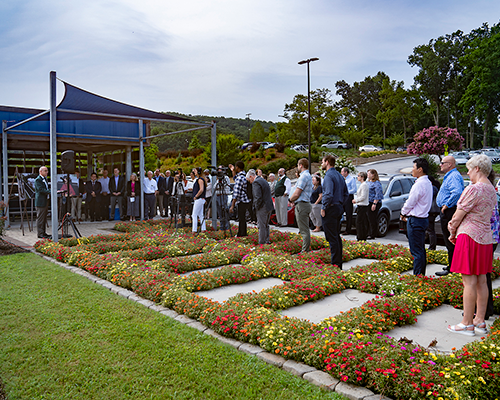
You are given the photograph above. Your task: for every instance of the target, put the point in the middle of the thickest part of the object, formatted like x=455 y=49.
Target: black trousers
x=445 y=218
x=104 y=212
x=331 y=225
x=372 y=219
x=431 y=230
x=242 y=218
x=362 y=223
x=348 y=208
x=41 y=220
x=94 y=208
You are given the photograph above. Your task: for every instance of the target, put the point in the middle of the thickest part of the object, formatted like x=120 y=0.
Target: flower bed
x=148 y=258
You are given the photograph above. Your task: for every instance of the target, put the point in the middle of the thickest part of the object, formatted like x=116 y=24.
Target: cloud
x=219 y=57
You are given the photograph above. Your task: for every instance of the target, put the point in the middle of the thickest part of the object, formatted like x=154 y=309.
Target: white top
x=104 y=184
x=420 y=201
x=150 y=186
x=362 y=194
x=288 y=185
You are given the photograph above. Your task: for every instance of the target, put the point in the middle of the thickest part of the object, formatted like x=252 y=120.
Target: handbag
x=495 y=225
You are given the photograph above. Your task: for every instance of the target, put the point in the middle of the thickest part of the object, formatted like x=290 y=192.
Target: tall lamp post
x=308 y=61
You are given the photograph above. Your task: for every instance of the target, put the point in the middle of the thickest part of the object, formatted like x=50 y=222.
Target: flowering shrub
x=435 y=140
x=148 y=258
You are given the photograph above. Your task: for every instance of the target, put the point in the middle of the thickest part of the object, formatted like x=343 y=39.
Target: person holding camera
x=178 y=198
x=223 y=188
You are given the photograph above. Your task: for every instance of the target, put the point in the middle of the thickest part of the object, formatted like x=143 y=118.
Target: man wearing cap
x=240 y=196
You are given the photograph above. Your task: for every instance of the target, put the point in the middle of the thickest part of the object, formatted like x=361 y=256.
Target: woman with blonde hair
x=375 y=196
x=470 y=231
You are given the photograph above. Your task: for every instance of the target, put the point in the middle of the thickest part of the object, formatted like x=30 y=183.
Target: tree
x=257 y=134
x=194 y=143
x=228 y=149
x=325 y=118
x=151 y=157
x=439 y=68
x=436 y=140
x=482 y=96
x=362 y=100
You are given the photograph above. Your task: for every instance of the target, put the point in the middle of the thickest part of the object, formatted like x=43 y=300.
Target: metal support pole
x=141 y=166
x=5 y=173
x=128 y=162
x=309 y=117
x=53 y=157
x=213 y=132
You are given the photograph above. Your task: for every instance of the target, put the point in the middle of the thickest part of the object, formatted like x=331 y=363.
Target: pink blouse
x=478 y=201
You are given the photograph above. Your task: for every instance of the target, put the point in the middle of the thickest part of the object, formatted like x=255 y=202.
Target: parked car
x=461 y=157
x=396 y=189
x=245 y=146
x=493 y=155
x=335 y=144
x=268 y=145
x=300 y=148
x=402 y=149
x=369 y=147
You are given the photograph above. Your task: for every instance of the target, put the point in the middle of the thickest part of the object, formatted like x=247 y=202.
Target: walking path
x=429 y=331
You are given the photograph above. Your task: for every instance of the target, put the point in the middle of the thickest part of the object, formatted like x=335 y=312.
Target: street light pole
x=308 y=61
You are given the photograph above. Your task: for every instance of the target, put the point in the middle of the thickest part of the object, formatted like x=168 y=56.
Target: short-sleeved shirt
x=305 y=183
x=150 y=186
x=478 y=201
x=315 y=194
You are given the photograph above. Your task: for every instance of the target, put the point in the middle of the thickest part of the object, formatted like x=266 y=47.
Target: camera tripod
x=220 y=187
x=180 y=202
x=67 y=219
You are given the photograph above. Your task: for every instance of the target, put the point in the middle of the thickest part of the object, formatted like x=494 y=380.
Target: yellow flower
x=481 y=379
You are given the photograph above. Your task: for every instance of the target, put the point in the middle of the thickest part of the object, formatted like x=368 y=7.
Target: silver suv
x=396 y=189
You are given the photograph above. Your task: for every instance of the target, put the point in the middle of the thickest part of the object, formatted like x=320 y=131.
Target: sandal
x=462 y=329
x=481 y=328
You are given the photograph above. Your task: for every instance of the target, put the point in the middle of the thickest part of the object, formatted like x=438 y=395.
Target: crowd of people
x=469 y=216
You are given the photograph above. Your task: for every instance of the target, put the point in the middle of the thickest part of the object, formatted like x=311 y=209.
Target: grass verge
x=64 y=337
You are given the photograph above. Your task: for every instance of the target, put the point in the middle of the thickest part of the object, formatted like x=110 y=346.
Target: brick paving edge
x=304 y=371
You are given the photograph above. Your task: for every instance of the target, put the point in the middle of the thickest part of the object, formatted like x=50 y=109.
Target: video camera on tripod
x=219 y=172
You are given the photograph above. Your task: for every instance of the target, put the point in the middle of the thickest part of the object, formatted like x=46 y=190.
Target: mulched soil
x=7 y=249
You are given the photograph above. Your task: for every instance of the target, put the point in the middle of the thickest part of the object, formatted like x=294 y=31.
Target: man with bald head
x=447 y=199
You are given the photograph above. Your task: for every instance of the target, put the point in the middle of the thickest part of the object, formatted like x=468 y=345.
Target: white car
x=369 y=147
x=335 y=144
x=300 y=148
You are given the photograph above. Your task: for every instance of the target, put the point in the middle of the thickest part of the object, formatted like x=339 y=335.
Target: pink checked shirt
x=478 y=201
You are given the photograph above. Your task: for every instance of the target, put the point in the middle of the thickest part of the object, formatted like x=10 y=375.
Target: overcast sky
x=216 y=57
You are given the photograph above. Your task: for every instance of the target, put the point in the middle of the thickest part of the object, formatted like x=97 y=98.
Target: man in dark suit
x=162 y=187
x=93 y=200
x=169 y=184
x=263 y=203
x=41 y=202
x=117 y=189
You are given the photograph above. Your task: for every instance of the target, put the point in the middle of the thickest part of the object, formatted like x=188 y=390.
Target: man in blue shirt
x=447 y=199
x=302 y=198
x=334 y=196
x=348 y=206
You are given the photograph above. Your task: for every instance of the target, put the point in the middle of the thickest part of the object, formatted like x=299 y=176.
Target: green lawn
x=64 y=337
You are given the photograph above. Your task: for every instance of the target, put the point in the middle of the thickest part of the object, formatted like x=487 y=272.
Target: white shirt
x=288 y=185
x=150 y=186
x=362 y=195
x=420 y=201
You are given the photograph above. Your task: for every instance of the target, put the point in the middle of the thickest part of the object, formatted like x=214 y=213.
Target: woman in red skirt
x=470 y=231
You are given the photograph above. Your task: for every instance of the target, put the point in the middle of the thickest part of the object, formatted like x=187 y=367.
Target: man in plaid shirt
x=240 y=197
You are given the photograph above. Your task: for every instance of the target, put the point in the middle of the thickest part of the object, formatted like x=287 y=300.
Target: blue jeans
x=416 y=238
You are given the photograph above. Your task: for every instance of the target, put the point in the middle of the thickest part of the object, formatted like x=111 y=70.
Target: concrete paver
x=223 y=293
x=329 y=306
